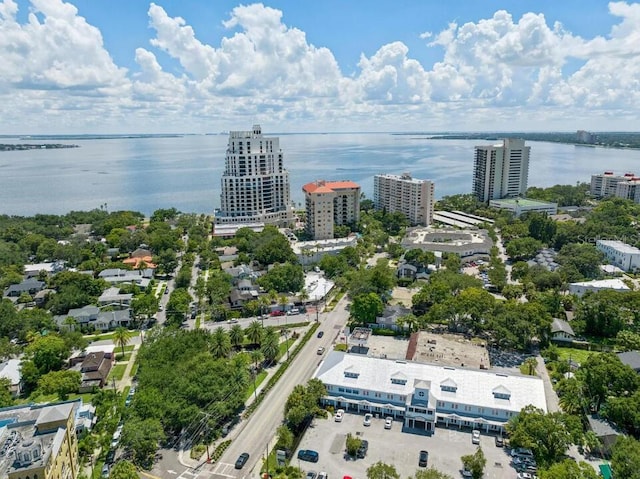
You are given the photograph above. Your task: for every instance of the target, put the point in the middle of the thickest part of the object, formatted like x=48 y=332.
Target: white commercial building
x=425 y=394
x=615 y=284
x=330 y=203
x=501 y=170
x=622 y=255
x=605 y=184
x=309 y=252
x=401 y=193
x=255 y=185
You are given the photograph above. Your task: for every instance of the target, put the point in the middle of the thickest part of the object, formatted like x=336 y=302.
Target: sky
x=206 y=66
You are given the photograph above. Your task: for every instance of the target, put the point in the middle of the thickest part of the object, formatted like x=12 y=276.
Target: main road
x=255 y=433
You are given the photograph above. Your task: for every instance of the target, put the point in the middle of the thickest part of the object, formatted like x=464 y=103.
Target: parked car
x=293 y=311
x=308 y=455
x=362 y=450
x=499 y=441
x=105 y=471
x=277 y=312
x=322 y=475
x=320 y=334
x=311 y=475
x=466 y=473
x=242 y=460
x=388 y=422
x=524 y=475
x=475 y=437
x=111 y=456
x=338 y=415
x=320 y=350
x=521 y=452
x=423 y=459
x=367 y=419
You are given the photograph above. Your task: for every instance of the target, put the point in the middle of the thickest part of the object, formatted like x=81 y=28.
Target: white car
x=367 y=419
x=388 y=422
x=475 y=437
x=339 y=415
x=524 y=475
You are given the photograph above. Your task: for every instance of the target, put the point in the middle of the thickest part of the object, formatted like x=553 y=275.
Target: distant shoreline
x=32 y=146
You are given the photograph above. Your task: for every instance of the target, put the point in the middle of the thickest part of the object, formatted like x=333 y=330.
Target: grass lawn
x=577 y=355
x=86 y=398
x=126 y=357
x=102 y=337
x=134 y=369
x=117 y=372
x=261 y=377
x=282 y=349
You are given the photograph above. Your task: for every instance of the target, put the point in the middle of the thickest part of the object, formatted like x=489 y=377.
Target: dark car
x=423 y=459
x=308 y=455
x=362 y=450
x=277 y=312
x=320 y=334
x=111 y=455
x=242 y=460
x=499 y=441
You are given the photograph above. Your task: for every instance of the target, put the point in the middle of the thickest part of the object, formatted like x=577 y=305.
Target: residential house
x=11 y=370
x=631 y=359
x=605 y=432
x=113 y=297
x=30 y=286
x=390 y=315
x=238 y=298
x=91 y=317
x=227 y=253
x=561 y=331
x=95 y=370
x=139 y=258
x=141 y=277
x=240 y=272
x=615 y=284
x=33 y=270
x=85 y=418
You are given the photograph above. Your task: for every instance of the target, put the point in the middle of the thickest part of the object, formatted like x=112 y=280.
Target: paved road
x=254 y=434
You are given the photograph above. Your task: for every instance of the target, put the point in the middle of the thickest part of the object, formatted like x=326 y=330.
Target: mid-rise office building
x=330 y=203
x=587 y=137
x=401 y=193
x=501 y=170
x=39 y=441
x=629 y=190
x=605 y=184
x=255 y=184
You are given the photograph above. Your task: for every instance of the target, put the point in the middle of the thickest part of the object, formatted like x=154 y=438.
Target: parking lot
x=395 y=447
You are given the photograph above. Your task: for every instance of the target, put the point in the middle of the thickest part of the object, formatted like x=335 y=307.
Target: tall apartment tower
x=255 y=185
x=330 y=203
x=605 y=184
x=409 y=196
x=501 y=170
x=629 y=190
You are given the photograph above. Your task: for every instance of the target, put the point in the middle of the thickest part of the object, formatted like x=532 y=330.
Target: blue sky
x=118 y=66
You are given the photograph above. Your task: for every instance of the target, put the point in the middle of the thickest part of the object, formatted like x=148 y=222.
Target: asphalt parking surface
x=395 y=447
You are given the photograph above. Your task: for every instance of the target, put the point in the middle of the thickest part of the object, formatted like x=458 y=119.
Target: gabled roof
x=500 y=389
x=449 y=383
x=631 y=359
x=560 y=325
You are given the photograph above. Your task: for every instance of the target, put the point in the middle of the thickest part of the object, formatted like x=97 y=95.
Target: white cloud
x=528 y=69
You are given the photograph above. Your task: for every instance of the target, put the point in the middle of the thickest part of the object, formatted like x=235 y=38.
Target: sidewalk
x=126 y=378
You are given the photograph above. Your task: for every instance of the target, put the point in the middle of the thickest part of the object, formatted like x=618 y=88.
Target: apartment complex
x=606 y=184
x=39 y=441
x=629 y=190
x=330 y=203
x=501 y=170
x=423 y=395
x=255 y=184
x=622 y=255
x=401 y=193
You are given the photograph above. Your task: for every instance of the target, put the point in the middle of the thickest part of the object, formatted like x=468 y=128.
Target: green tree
x=178 y=306
x=625 y=460
x=255 y=332
x=530 y=364
x=121 y=337
x=48 y=353
x=475 y=463
x=220 y=343
x=5 y=394
x=123 y=470
x=605 y=375
x=236 y=336
x=380 y=470
x=366 y=308
x=145 y=305
x=283 y=278
x=583 y=258
x=353 y=443
x=285 y=438
x=430 y=473
x=61 y=383
x=569 y=469
x=141 y=437
x=628 y=340
x=571 y=396
x=270 y=344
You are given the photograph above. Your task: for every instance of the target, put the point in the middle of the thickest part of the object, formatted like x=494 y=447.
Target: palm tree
x=256 y=358
x=273 y=295
x=270 y=345
x=220 y=343
x=70 y=322
x=571 y=398
x=283 y=301
x=236 y=335
x=255 y=332
x=303 y=295
x=531 y=364
x=121 y=337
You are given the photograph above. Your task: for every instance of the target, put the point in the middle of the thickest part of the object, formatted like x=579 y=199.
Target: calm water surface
x=144 y=174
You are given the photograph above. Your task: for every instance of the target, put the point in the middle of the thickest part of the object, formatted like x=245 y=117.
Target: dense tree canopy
x=283 y=278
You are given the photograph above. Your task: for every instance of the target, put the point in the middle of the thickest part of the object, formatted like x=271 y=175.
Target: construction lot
x=392 y=446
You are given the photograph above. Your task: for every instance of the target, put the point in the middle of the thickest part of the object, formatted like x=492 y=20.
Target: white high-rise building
x=255 y=185
x=605 y=184
x=330 y=203
x=409 y=196
x=501 y=170
x=629 y=190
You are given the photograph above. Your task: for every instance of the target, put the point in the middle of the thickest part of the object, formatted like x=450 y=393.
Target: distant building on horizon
x=330 y=203
x=402 y=193
x=587 y=137
x=604 y=185
x=501 y=170
x=519 y=206
x=255 y=184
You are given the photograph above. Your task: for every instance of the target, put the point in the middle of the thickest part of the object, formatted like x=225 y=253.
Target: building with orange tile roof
x=330 y=203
